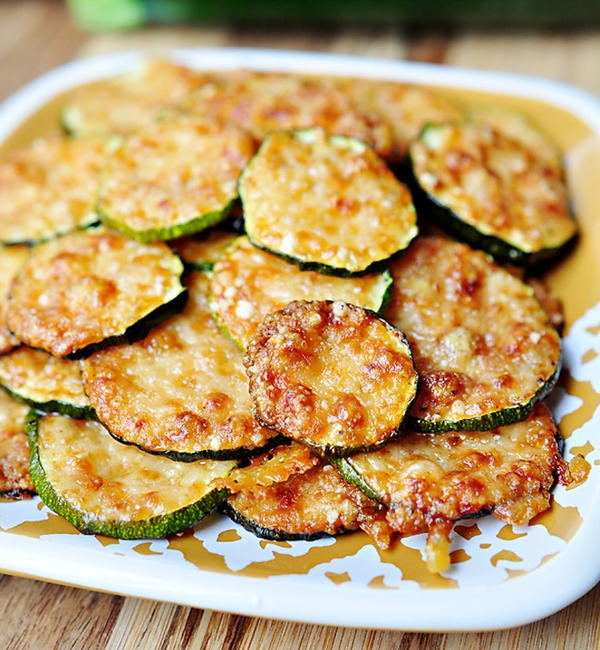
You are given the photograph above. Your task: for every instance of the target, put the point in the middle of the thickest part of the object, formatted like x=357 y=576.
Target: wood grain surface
x=36 y=35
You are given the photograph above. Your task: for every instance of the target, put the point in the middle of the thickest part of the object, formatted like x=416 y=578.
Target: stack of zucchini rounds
x=334 y=366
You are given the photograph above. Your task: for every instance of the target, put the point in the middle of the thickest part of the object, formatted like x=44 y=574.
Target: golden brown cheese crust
x=316 y=501
x=130 y=101
x=494 y=183
x=82 y=288
x=181 y=389
x=480 y=340
x=406 y=108
x=174 y=171
x=331 y=375
x=14 y=451
x=49 y=188
x=204 y=248
x=262 y=103
x=549 y=301
x=112 y=482
x=12 y=259
x=425 y=479
x=325 y=200
x=40 y=377
x=247 y=284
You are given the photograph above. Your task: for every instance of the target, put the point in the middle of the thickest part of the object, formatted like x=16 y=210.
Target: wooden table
x=36 y=35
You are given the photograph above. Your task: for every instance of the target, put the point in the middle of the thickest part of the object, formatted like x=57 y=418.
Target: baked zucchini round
x=12 y=259
x=15 y=482
x=491 y=191
x=248 y=283
x=325 y=202
x=45 y=382
x=175 y=177
x=200 y=252
x=331 y=375
x=181 y=391
x=92 y=289
x=482 y=344
x=49 y=188
x=102 y=487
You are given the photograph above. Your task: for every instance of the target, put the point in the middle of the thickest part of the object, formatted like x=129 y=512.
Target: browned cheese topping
x=182 y=388
x=331 y=375
x=494 y=183
x=204 y=248
x=326 y=200
x=87 y=286
x=247 y=284
x=40 y=377
x=316 y=501
x=50 y=187
x=105 y=479
x=549 y=301
x=174 y=171
x=425 y=479
x=263 y=103
x=14 y=451
x=406 y=108
x=130 y=101
x=12 y=259
x=481 y=342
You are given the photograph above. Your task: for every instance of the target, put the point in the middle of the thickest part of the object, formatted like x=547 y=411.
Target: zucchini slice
x=406 y=108
x=491 y=191
x=126 y=103
x=45 y=382
x=317 y=503
x=181 y=391
x=175 y=177
x=549 y=302
x=200 y=252
x=425 y=480
x=482 y=344
x=331 y=375
x=15 y=482
x=101 y=487
x=12 y=259
x=248 y=283
x=262 y=103
x=91 y=289
x=327 y=203
x=49 y=188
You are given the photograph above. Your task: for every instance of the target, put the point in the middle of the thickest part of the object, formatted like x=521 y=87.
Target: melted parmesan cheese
x=181 y=389
x=481 y=341
x=203 y=249
x=106 y=480
x=49 y=188
x=247 y=284
x=316 y=501
x=172 y=172
x=424 y=478
x=14 y=451
x=331 y=375
x=130 y=101
x=325 y=200
x=39 y=377
x=494 y=183
x=406 y=108
x=87 y=286
x=263 y=103
x=12 y=259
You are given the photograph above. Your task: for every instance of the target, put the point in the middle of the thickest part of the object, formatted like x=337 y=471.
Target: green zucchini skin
x=488 y=421
x=272 y=533
x=429 y=208
x=139 y=329
x=153 y=528
x=92 y=223
x=201 y=222
x=55 y=406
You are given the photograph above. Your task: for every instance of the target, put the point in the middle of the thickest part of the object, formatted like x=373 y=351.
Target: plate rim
x=576 y=568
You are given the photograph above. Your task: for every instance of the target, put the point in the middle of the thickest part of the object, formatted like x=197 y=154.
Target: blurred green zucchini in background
x=109 y=15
